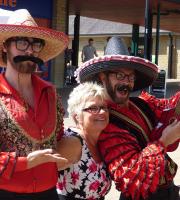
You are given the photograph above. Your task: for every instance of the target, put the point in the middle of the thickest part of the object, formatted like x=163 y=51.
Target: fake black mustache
x=36 y=60
x=124 y=87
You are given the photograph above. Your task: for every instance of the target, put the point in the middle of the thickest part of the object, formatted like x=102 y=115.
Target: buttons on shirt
x=42 y=134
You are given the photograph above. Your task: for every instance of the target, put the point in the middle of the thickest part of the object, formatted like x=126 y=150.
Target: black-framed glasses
x=23 y=43
x=121 y=76
x=95 y=109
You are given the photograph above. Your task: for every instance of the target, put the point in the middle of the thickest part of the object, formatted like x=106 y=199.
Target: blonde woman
x=86 y=176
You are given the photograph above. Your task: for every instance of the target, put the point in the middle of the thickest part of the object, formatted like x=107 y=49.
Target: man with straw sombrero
x=141 y=129
x=31 y=114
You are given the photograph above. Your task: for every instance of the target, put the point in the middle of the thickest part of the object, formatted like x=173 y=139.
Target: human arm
x=165 y=111
x=11 y=163
x=159 y=105
x=70 y=148
x=44 y=156
x=171 y=133
x=95 y=52
x=136 y=171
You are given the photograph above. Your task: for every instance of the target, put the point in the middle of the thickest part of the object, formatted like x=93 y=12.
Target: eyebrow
x=121 y=72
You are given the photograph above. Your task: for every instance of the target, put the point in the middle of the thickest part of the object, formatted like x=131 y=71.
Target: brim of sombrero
x=146 y=71
x=55 y=41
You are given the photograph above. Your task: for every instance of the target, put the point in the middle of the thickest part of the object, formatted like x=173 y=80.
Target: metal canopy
x=129 y=11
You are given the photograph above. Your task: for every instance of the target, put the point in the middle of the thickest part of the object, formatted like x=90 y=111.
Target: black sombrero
x=116 y=57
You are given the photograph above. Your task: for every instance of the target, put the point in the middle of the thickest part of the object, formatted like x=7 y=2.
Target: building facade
x=100 y=30
x=54 y=14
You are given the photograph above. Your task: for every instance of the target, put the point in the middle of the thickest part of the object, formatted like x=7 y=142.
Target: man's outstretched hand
x=171 y=133
x=44 y=156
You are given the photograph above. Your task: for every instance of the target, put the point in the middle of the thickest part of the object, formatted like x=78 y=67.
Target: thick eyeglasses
x=22 y=44
x=95 y=109
x=121 y=76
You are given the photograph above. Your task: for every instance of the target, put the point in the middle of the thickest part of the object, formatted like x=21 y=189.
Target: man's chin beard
x=25 y=68
x=121 y=101
x=26 y=64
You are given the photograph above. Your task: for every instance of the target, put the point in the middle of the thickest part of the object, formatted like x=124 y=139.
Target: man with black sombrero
x=135 y=142
x=31 y=113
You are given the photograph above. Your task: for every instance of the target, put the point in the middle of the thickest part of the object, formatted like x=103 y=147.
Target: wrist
x=163 y=142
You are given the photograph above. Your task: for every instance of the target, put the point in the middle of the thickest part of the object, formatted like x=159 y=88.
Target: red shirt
x=25 y=130
x=137 y=168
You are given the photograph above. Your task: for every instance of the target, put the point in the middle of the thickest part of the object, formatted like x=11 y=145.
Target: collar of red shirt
x=37 y=82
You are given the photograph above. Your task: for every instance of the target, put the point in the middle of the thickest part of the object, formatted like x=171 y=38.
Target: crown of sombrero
x=117 y=57
x=20 y=23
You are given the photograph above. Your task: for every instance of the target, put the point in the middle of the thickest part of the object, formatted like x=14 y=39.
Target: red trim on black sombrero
x=146 y=71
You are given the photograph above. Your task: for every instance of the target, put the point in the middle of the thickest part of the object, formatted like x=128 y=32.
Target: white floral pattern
x=85 y=179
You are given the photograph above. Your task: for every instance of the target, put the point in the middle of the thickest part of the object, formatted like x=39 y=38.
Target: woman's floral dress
x=85 y=179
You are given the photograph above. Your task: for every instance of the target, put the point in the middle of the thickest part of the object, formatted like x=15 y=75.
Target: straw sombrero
x=20 y=23
x=117 y=57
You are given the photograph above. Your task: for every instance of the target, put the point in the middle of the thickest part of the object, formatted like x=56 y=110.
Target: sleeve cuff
x=162 y=145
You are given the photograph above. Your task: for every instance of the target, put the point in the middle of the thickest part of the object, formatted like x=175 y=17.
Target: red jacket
x=24 y=130
x=136 y=161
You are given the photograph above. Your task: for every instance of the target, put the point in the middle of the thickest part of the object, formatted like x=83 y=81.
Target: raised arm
x=136 y=171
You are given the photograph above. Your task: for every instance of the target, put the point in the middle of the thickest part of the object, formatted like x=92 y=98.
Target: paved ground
x=114 y=194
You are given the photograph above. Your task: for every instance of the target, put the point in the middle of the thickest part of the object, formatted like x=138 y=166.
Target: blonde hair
x=80 y=95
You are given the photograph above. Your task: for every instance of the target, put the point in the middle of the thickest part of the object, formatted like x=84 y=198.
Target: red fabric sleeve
x=10 y=163
x=159 y=105
x=21 y=164
x=165 y=113
x=136 y=172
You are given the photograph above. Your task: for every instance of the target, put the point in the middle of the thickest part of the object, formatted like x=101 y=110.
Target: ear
x=4 y=48
x=102 y=77
x=75 y=118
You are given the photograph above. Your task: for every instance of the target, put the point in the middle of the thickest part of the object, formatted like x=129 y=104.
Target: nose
x=126 y=79
x=29 y=50
x=103 y=110
x=104 y=113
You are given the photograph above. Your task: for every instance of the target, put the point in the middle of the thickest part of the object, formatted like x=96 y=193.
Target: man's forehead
x=25 y=38
x=124 y=69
